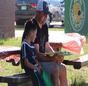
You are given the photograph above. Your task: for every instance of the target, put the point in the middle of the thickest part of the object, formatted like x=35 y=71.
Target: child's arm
x=35 y=67
x=28 y=64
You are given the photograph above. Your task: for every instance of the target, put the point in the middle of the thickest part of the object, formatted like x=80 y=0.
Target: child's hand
x=38 y=68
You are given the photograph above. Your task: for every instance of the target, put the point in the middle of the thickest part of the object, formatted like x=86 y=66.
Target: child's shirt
x=28 y=52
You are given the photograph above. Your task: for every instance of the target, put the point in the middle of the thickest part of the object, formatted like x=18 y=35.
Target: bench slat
x=79 y=62
x=18 y=78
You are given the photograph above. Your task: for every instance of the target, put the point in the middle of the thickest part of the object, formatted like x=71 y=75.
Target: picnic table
x=12 y=54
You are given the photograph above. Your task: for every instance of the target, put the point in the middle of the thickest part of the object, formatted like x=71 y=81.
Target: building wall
x=7 y=17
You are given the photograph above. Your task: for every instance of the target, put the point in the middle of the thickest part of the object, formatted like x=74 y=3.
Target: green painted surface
x=76 y=16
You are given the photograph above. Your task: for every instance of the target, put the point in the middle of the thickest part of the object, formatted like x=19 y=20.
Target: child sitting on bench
x=28 y=56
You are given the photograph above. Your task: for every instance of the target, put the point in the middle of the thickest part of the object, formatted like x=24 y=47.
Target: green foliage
x=11 y=42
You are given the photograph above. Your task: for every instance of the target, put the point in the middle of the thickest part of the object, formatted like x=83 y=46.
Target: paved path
x=18 y=33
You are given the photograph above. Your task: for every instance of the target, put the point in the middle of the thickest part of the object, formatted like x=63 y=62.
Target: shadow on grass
x=2 y=41
x=81 y=83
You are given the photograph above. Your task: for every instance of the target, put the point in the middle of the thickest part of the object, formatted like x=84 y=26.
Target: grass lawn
x=75 y=77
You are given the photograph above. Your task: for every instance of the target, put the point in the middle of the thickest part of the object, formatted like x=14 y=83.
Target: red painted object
x=10 y=54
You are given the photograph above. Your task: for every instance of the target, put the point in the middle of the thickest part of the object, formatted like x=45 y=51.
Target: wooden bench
x=16 y=80
x=22 y=79
x=13 y=56
x=76 y=63
x=79 y=62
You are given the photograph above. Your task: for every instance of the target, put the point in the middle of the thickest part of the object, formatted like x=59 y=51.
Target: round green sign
x=77 y=14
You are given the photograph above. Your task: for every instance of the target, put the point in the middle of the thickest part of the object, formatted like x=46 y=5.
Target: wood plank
x=79 y=62
x=6 y=51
